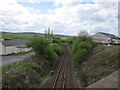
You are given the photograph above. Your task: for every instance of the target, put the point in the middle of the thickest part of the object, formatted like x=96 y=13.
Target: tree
x=83 y=33
x=49 y=31
x=39 y=45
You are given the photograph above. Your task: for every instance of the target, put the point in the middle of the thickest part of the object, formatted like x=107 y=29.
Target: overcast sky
x=63 y=16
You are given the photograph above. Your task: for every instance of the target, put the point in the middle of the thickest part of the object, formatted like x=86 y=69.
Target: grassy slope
x=16 y=37
x=19 y=54
x=25 y=35
x=101 y=62
x=27 y=74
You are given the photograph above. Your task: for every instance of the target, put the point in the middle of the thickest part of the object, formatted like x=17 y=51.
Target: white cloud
x=68 y=19
x=34 y=1
x=67 y=2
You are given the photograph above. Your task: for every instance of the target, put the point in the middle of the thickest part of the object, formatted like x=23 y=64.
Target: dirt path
x=63 y=73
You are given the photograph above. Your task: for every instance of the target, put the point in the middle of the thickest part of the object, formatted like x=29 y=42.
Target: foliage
x=101 y=62
x=51 y=55
x=57 y=48
x=69 y=41
x=46 y=49
x=81 y=47
x=39 y=45
x=56 y=40
x=16 y=73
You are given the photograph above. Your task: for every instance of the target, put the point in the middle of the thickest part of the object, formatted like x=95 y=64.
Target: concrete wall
x=15 y=50
x=20 y=50
x=100 y=38
x=116 y=41
x=9 y=50
x=27 y=49
x=12 y=49
x=2 y=49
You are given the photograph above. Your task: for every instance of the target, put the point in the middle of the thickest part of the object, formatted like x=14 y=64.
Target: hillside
x=26 y=35
x=101 y=62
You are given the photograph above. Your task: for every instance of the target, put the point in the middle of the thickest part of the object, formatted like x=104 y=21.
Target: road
x=7 y=60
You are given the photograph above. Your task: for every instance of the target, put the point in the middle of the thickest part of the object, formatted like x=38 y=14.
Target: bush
x=43 y=47
x=39 y=45
x=81 y=47
x=80 y=55
x=51 y=55
x=57 y=48
x=56 y=40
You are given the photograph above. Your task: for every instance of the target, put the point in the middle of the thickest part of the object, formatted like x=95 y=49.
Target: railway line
x=64 y=78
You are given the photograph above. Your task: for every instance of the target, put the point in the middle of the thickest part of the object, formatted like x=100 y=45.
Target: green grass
x=9 y=67
x=64 y=38
x=16 y=37
x=29 y=69
x=19 y=54
x=24 y=64
x=106 y=73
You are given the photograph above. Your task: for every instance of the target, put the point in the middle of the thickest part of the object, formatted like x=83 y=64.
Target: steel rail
x=64 y=82
x=56 y=79
x=64 y=76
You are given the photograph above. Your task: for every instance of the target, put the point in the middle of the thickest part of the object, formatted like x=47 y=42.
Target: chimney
x=7 y=39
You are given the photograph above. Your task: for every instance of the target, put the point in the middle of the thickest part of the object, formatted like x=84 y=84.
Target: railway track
x=61 y=77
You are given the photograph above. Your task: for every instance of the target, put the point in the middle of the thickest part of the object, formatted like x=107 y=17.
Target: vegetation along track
x=64 y=77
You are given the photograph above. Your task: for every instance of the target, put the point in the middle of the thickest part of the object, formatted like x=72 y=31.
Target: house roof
x=110 y=35
x=16 y=43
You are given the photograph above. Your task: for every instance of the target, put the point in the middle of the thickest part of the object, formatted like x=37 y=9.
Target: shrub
x=51 y=55
x=56 y=40
x=43 y=47
x=80 y=55
x=57 y=48
x=81 y=47
x=39 y=45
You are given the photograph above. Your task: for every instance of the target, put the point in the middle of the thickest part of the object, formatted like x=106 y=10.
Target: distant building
x=105 y=38
x=13 y=46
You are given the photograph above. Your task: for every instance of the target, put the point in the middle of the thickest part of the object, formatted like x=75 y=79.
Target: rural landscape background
x=59 y=44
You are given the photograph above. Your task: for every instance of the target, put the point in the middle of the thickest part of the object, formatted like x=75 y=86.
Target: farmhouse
x=13 y=46
x=105 y=38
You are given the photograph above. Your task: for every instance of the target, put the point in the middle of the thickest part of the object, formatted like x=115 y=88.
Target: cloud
x=67 y=2
x=70 y=18
x=34 y=1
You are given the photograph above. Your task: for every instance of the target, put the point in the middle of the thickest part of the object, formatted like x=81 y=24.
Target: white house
x=105 y=38
x=13 y=46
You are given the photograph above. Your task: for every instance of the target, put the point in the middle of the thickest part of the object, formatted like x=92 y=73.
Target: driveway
x=7 y=60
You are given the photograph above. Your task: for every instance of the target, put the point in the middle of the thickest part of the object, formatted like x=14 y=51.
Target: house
x=13 y=46
x=105 y=38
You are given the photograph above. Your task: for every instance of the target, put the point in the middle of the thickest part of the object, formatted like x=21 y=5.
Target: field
x=26 y=35
x=15 y=37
